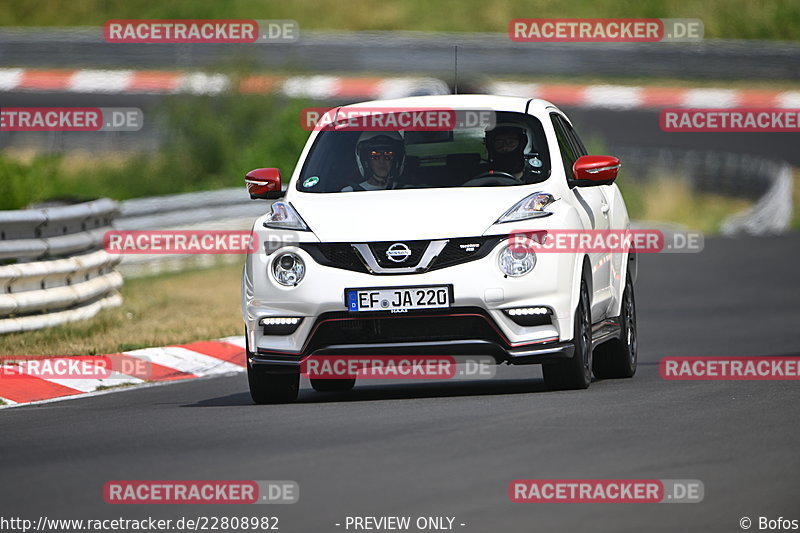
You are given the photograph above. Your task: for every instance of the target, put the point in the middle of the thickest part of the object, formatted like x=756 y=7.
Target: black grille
x=456 y=251
x=459 y=251
x=379 y=252
x=387 y=328
x=336 y=255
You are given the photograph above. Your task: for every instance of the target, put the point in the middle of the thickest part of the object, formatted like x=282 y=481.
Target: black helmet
x=512 y=161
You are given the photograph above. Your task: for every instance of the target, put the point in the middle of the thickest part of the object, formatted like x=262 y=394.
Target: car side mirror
x=264 y=184
x=591 y=170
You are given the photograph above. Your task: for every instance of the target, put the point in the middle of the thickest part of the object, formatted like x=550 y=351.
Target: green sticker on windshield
x=310 y=182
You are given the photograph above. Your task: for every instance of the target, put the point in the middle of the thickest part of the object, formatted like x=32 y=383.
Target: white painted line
x=100 y=81
x=10 y=78
x=514 y=88
x=321 y=87
x=91 y=385
x=236 y=341
x=711 y=98
x=146 y=385
x=389 y=88
x=789 y=99
x=200 y=83
x=80 y=384
x=186 y=360
x=613 y=96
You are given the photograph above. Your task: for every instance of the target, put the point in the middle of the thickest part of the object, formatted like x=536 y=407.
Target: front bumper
x=542 y=353
x=455 y=332
x=477 y=285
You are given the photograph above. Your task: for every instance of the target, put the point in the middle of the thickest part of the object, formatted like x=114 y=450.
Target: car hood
x=406 y=214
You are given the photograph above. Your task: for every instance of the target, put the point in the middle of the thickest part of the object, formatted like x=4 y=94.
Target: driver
x=380 y=156
x=505 y=145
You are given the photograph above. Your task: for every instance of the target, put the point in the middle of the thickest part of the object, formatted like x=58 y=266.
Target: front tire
x=271 y=388
x=576 y=372
x=618 y=358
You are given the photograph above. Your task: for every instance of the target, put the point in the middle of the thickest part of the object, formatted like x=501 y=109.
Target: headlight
x=516 y=260
x=529 y=207
x=288 y=269
x=284 y=216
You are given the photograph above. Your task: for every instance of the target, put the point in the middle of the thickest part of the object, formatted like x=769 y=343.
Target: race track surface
x=451 y=448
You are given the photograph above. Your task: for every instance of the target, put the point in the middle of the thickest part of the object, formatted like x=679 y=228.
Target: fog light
x=530 y=316
x=280 y=321
x=277 y=325
x=528 y=311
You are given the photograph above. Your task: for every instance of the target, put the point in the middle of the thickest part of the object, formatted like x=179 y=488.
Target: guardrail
x=223 y=209
x=772 y=213
x=766 y=181
x=57 y=272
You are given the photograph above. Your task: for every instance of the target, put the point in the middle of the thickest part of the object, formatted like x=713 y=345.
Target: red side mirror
x=264 y=183
x=591 y=170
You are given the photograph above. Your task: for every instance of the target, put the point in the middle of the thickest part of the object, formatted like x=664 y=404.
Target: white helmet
x=390 y=141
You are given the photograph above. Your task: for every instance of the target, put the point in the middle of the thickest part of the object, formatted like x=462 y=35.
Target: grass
x=156 y=311
x=109 y=387
x=668 y=199
x=737 y=19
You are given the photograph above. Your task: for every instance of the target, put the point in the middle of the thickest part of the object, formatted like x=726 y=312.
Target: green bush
x=211 y=143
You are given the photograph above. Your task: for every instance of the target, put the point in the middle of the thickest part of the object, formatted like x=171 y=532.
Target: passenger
x=505 y=145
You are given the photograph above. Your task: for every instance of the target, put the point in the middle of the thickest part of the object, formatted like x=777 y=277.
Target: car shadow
x=368 y=392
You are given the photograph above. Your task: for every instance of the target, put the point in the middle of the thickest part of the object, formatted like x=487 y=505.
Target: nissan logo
x=398 y=252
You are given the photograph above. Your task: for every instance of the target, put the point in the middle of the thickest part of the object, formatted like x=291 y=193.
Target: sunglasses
x=375 y=156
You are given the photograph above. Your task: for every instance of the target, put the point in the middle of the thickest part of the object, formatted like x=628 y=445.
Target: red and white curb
x=169 y=363
x=88 y=81
x=166 y=82
x=629 y=97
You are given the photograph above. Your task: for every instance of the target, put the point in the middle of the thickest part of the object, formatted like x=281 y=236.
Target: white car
x=406 y=242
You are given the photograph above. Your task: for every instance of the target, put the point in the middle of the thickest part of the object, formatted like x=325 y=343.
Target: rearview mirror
x=264 y=184
x=590 y=170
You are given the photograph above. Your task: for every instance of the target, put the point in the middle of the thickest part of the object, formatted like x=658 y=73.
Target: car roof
x=463 y=101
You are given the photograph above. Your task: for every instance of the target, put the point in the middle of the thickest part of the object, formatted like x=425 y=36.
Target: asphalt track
x=451 y=449
x=398 y=51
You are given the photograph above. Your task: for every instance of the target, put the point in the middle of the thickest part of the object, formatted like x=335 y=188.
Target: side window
x=580 y=149
x=568 y=153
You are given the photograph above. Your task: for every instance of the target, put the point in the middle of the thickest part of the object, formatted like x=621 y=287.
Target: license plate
x=398 y=299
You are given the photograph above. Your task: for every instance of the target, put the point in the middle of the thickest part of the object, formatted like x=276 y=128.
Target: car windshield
x=512 y=152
